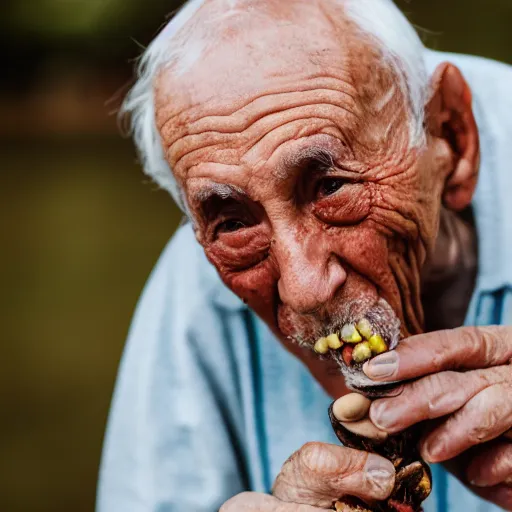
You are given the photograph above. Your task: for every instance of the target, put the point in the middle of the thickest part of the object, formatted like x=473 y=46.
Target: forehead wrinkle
x=192 y=146
x=327 y=78
x=236 y=115
x=259 y=130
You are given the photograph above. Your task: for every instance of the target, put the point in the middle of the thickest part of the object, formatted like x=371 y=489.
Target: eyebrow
x=319 y=154
x=215 y=197
x=218 y=190
x=308 y=158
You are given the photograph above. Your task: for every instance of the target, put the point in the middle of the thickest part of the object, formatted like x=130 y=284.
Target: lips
x=355 y=342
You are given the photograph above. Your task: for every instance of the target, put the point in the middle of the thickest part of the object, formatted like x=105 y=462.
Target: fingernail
x=381 y=366
x=432 y=449
x=383 y=416
x=379 y=476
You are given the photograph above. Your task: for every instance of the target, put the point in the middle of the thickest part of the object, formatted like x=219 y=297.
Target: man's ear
x=450 y=117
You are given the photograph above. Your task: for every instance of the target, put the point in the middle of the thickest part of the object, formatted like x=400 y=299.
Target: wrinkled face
x=295 y=161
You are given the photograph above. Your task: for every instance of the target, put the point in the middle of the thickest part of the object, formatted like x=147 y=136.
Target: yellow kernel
x=334 y=341
x=321 y=346
x=361 y=352
x=349 y=334
x=377 y=344
x=365 y=328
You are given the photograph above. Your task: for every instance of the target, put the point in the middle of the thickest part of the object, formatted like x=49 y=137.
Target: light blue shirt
x=208 y=403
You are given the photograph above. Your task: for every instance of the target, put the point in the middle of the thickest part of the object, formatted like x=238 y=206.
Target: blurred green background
x=81 y=226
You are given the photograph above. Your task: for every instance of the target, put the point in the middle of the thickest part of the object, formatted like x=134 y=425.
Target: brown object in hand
x=413 y=481
x=350 y=505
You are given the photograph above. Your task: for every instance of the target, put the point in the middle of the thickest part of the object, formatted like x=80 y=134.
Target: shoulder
x=166 y=380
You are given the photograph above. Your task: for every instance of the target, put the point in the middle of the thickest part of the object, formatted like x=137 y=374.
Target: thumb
x=319 y=474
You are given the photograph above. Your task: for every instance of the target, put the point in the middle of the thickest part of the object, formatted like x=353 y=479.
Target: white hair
x=380 y=20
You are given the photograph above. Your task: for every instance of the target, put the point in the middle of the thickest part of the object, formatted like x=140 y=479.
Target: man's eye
x=328 y=186
x=230 y=225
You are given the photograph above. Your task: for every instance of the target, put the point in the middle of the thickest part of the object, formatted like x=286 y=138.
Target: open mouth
x=355 y=342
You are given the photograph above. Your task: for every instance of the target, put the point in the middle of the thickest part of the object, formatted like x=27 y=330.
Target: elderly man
x=331 y=169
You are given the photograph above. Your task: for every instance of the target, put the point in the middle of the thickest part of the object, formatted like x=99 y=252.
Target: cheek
x=350 y=206
x=238 y=251
x=256 y=286
x=248 y=272
x=367 y=251
x=408 y=203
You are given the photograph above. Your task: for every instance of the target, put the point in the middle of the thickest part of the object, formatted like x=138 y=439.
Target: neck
x=449 y=275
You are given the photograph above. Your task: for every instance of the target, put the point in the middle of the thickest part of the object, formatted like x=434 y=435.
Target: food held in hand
x=413 y=479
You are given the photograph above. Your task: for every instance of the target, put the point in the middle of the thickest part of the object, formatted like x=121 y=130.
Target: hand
x=465 y=385
x=317 y=475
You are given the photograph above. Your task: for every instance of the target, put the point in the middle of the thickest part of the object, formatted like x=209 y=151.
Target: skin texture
x=475 y=365
x=303 y=259
x=293 y=155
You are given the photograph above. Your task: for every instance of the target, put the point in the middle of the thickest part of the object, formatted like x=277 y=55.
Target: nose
x=310 y=273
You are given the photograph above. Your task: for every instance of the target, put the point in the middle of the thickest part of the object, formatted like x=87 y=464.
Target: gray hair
x=380 y=20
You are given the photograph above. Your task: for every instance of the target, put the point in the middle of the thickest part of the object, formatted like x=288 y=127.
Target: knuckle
x=320 y=459
x=443 y=346
x=488 y=419
x=472 y=343
x=489 y=343
x=434 y=392
x=478 y=434
x=311 y=455
x=482 y=345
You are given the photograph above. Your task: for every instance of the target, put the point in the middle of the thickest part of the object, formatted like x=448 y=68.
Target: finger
x=486 y=416
x=463 y=348
x=256 y=502
x=501 y=495
x=492 y=466
x=433 y=396
x=318 y=474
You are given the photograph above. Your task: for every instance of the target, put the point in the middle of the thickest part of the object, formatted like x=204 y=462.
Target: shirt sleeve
x=174 y=436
